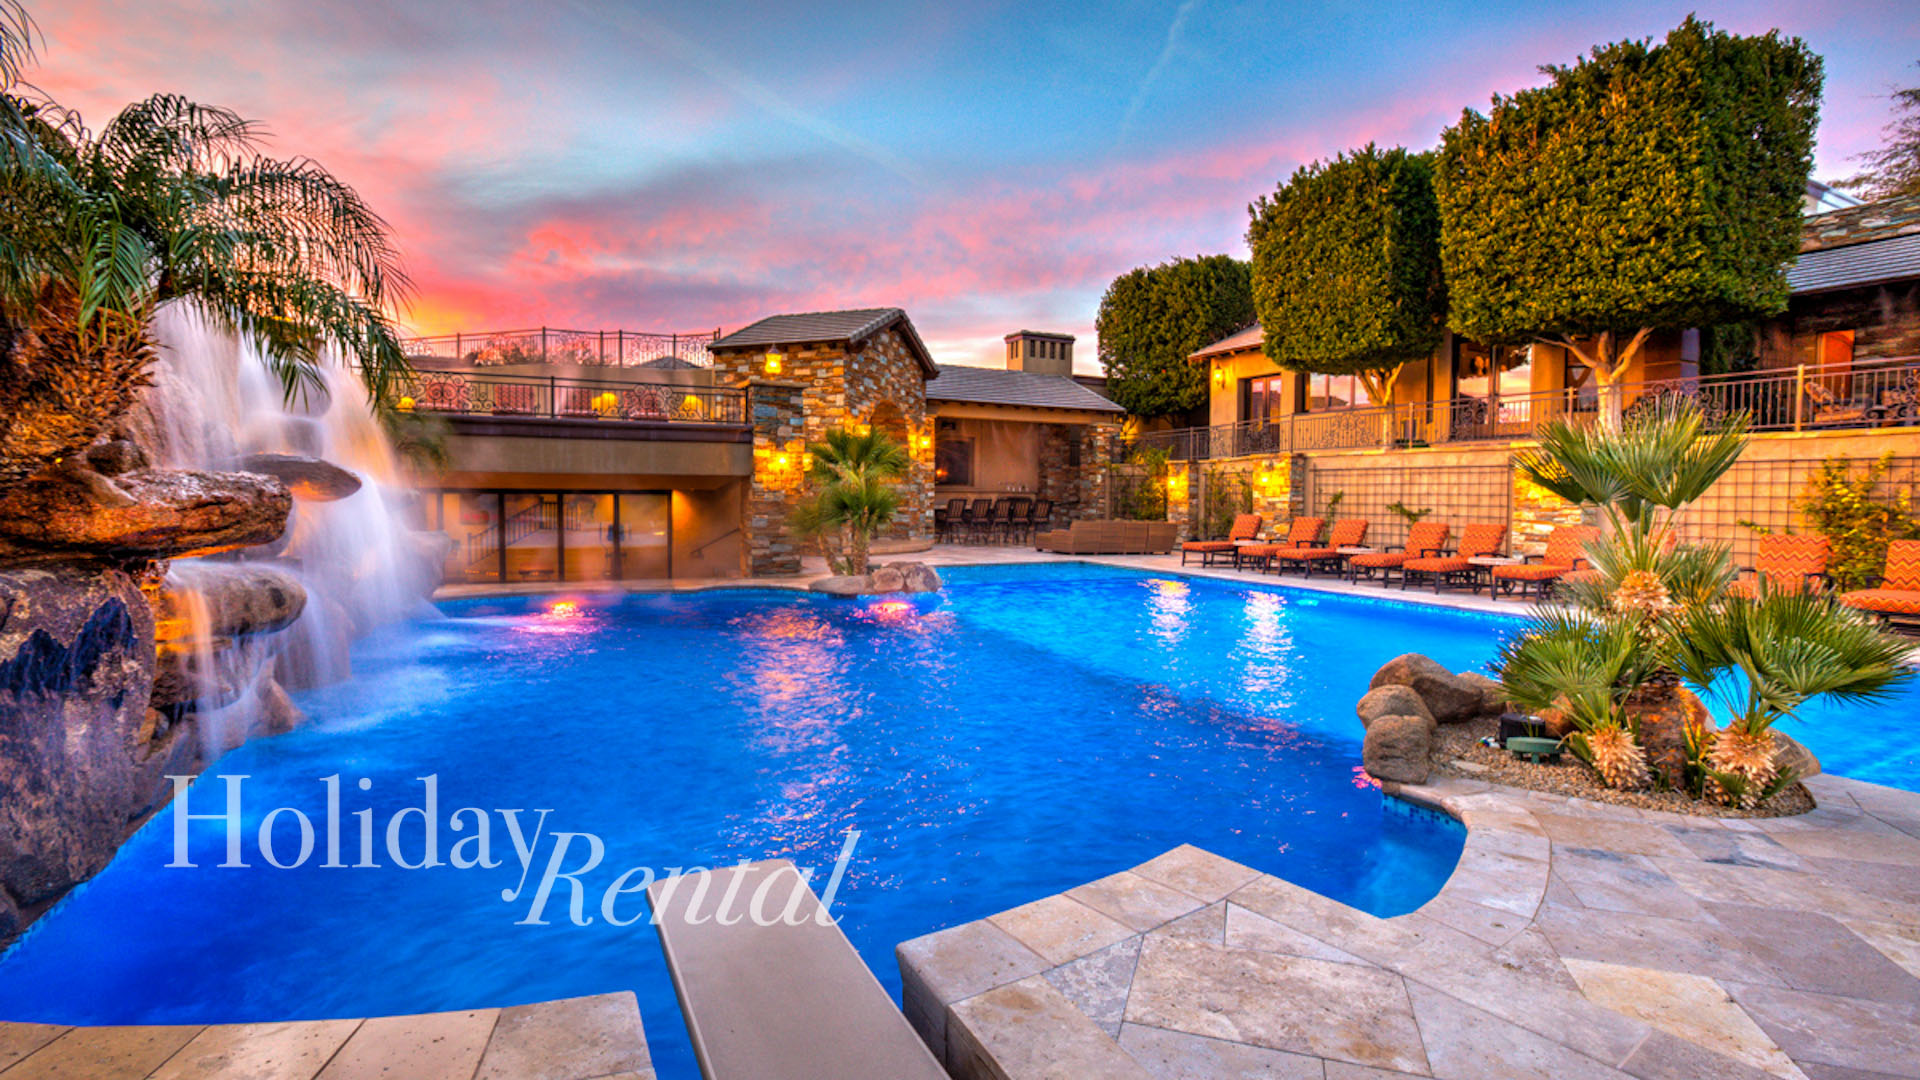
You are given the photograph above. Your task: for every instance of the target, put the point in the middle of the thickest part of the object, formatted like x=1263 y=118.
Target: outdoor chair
x=1479 y=541
x=1002 y=522
x=1347 y=532
x=1566 y=552
x=1039 y=517
x=1829 y=410
x=1246 y=527
x=949 y=518
x=1786 y=564
x=1301 y=533
x=514 y=399
x=1424 y=539
x=576 y=402
x=1016 y=526
x=1898 y=594
x=979 y=520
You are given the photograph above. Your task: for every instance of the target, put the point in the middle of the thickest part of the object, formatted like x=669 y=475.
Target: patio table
x=1483 y=569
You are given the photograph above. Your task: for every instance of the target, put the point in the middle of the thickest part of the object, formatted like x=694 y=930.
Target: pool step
x=572 y=1039
x=786 y=1001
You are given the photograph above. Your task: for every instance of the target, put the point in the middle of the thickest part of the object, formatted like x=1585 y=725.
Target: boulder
x=922 y=578
x=1556 y=721
x=115 y=456
x=887 y=579
x=1391 y=700
x=309 y=479
x=235 y=599
x=278 y=713
x=1399 y=748
x=318 y=648
x=842 y=585
x=79 y=760
x=1450 y=699
x=142 y=514
x=1788 y=753
x=1493 y=697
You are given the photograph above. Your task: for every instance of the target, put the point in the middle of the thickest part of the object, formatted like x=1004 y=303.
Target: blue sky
x=986 y=166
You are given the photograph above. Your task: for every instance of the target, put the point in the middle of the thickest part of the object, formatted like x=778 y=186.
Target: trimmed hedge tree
x=1153 y=318
x=1346 y=267
x=1646 y=187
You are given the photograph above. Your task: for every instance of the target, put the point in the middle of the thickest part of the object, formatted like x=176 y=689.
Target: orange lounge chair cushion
x=1308 y=554
x=1445 y=564
x=1580 y=577
x=1381 y=559
x=1531 y=572
x=1262 y=551
x=1884 y=601
x=1208 y=545
x=1903 y=566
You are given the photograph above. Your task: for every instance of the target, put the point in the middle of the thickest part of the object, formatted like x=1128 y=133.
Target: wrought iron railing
x=551 y=397
x=1861 y=395
x=551 y=345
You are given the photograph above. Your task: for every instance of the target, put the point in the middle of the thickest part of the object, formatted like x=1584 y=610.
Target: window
x=1262 y=400
x=1326 y=392
x=953 y=462
x=517 y=536
x=1482 y=371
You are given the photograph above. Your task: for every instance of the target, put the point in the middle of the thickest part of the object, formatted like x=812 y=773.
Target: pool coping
x=1191 y=961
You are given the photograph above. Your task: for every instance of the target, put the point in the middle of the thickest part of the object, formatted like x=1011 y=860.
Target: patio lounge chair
x=1347 y=532
x=1301 y=533
x=1424 y=538
x=1566 y=552
x=1245 y=527
x=1898 y=593
x=1477 y=542
x=1829 y=410
x=1787 y=564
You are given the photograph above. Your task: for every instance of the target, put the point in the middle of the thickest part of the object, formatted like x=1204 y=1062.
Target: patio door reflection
x=645 y=533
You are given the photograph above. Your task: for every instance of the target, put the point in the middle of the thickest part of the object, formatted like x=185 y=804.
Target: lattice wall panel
x=1457 y=494
x=1768 y=494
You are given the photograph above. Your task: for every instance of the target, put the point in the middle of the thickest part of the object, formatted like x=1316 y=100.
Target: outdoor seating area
x=1010 y=519
x=1110 y=538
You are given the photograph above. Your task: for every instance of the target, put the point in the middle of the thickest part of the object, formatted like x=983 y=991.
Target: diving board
x=787 y=1001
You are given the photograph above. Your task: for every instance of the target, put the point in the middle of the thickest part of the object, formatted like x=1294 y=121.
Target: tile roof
x=1893 y=259
x=997 y=386
x=852 y=326
x=1239 y=341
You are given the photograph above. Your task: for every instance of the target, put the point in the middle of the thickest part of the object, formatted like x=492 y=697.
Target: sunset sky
x=987 y=167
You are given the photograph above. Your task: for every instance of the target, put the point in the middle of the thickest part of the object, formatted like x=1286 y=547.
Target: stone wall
x=1535 y=513
x=1885 y=320
x=820 y=387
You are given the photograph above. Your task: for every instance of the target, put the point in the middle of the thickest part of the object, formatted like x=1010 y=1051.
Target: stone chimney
x=1040 y=352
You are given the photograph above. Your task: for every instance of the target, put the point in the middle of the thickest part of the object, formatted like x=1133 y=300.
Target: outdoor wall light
x=1219 y=374
x=926 y=442
x=405 y=404
x=776 y=360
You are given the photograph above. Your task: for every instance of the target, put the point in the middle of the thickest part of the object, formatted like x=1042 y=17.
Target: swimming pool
x=1026 y=731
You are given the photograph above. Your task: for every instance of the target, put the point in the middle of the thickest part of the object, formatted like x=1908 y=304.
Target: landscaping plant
x=856 y=496
x=1857 y=519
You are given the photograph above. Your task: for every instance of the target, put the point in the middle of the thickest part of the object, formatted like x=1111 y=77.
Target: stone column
x=1183 y=499
x=1534 y=513
x=779 y=414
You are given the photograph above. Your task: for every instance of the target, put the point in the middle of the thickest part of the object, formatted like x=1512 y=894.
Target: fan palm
x=1642 y=475
x=1768 y=655
x=171 y=201
x=856 y=471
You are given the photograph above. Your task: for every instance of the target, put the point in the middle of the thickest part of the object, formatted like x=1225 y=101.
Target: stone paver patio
x=589 y=1038
x=1574 y=940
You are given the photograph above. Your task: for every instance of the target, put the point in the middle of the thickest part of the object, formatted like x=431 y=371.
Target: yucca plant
x=170 y=202
x=856 y=473
x=1765 y=657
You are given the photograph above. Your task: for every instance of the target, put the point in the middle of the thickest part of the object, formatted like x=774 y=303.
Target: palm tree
x=1769 y=655
x=170 y=202
x=856 y=471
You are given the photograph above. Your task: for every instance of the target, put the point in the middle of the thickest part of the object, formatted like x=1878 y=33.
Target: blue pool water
x=1028 y=730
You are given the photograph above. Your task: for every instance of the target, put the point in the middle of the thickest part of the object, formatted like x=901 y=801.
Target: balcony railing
x=1861 y=395
x=461 y=393
x=551 y=345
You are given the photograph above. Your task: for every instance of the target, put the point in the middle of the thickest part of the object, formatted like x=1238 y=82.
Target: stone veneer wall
x=1535 y=513
x=822 y=386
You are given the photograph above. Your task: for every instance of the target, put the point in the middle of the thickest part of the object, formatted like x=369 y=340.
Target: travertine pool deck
x=1574 y=940
x=589 y=1038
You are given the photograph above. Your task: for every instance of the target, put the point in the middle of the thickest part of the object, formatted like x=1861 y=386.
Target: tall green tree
x=857 y=493
x=170 y=201
x=1646 y=187
x=1894 y=169
x=1346 y=267
x=1152 y=318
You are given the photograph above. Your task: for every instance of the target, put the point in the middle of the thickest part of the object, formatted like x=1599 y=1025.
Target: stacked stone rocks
x=1409 y=698
x=907 y=577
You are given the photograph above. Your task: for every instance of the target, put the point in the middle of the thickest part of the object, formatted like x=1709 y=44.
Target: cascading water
x=214 y=402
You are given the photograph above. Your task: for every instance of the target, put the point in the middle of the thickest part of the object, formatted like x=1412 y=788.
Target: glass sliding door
x=471 y=523
x=645 y=535
x=530 y=536
x=591 y=552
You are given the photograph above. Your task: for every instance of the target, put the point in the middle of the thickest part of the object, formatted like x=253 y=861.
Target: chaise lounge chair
x=1786 y=564
x=1898 y=594
x=1566 y=552
x=1424 y=538
x=1246 y=527
x=1347 y=532
x=1301 y=533
x=1477 y=542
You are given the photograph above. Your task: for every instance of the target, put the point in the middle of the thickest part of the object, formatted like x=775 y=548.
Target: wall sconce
x=926 y=442
x=776 y=361
x=781 y=461
x=1219 y=374
x=606 y=403
x=405 y=404
x=1176 y=484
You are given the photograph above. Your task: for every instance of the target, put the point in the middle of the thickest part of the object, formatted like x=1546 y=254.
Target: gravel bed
x=1457 y=751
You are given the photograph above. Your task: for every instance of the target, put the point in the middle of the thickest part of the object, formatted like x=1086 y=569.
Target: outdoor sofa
x=1111 y=538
